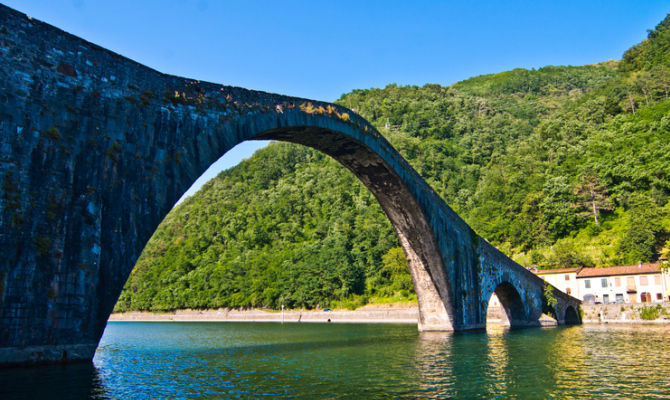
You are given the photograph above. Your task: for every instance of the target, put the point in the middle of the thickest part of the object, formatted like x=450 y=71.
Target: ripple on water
x=253 y=360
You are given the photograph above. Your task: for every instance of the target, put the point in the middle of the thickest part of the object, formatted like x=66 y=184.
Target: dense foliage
x=280 y=228
x=560 y=166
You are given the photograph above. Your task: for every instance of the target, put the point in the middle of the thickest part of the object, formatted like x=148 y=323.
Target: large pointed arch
x=95 y=149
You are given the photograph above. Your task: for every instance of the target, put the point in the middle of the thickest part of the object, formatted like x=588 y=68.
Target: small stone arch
x=571 y=316
x=510 y=300
x=551 y=312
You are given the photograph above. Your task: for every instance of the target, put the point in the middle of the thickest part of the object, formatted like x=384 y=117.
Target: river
x=212 y=360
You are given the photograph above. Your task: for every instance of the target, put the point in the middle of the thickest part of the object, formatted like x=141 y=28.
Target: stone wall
x=367 y=315
x=623 y=313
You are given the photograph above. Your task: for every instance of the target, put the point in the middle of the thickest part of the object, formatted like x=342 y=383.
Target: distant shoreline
x=393 y=314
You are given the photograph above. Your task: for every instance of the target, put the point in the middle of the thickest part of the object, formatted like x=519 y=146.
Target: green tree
x=565 y=255
x=556 y=206
x=643 y=233
x=592 y=196
x=394 y=265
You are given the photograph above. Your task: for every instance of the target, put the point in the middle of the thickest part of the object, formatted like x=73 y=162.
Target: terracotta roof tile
x=620 y=270
x=557 y=271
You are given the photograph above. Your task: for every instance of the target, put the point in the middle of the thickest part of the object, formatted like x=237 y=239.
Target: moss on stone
x=51 y=133
x=113 y=152
x=146 y=97
x=42 y=245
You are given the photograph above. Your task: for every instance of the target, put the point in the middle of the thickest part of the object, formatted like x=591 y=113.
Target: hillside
x=559 y=166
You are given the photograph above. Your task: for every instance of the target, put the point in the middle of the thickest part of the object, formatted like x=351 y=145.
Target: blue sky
x=321 y=50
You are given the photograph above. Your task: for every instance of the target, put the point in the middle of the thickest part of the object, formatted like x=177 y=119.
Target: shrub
x=307 y=108
x=548 y=295
x=650 y=313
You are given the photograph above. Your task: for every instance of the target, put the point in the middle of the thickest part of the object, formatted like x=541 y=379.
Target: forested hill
x=558 y=167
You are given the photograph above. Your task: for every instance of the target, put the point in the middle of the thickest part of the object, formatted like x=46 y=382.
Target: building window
x=645 y=297
x=659 y=296
x=657 y=280
x=568 y=291
x=567 y=277
x=643 y=281
x=606 y=298
x=603 y=282
x=617 y=281
x=619 y=298
x=587 y=284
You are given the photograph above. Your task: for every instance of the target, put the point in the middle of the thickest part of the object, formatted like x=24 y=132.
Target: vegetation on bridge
x=559 y=167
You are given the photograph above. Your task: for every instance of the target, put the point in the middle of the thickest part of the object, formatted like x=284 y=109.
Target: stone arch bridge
x=95 y=149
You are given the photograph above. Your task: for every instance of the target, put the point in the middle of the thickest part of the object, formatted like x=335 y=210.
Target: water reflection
x=565 y=356
x=498 y=359
x=625 y=360
x=247 y=360
x=253 y=360
x=434 y=364
x=548 y=363
x=74 y=381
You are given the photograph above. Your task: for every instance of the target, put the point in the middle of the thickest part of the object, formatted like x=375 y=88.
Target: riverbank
x=380 y=314
x=394 y=313
x=655 y=313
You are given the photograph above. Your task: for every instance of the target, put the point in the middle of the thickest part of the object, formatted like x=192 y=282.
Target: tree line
x=558 y=167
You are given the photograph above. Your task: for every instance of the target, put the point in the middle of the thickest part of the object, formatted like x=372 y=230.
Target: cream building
x=641 y=283
x=564 y=279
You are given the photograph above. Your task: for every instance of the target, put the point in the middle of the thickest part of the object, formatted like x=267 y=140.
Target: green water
x=253 y=360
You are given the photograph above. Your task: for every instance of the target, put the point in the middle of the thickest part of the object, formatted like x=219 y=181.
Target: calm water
x=253 y=360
